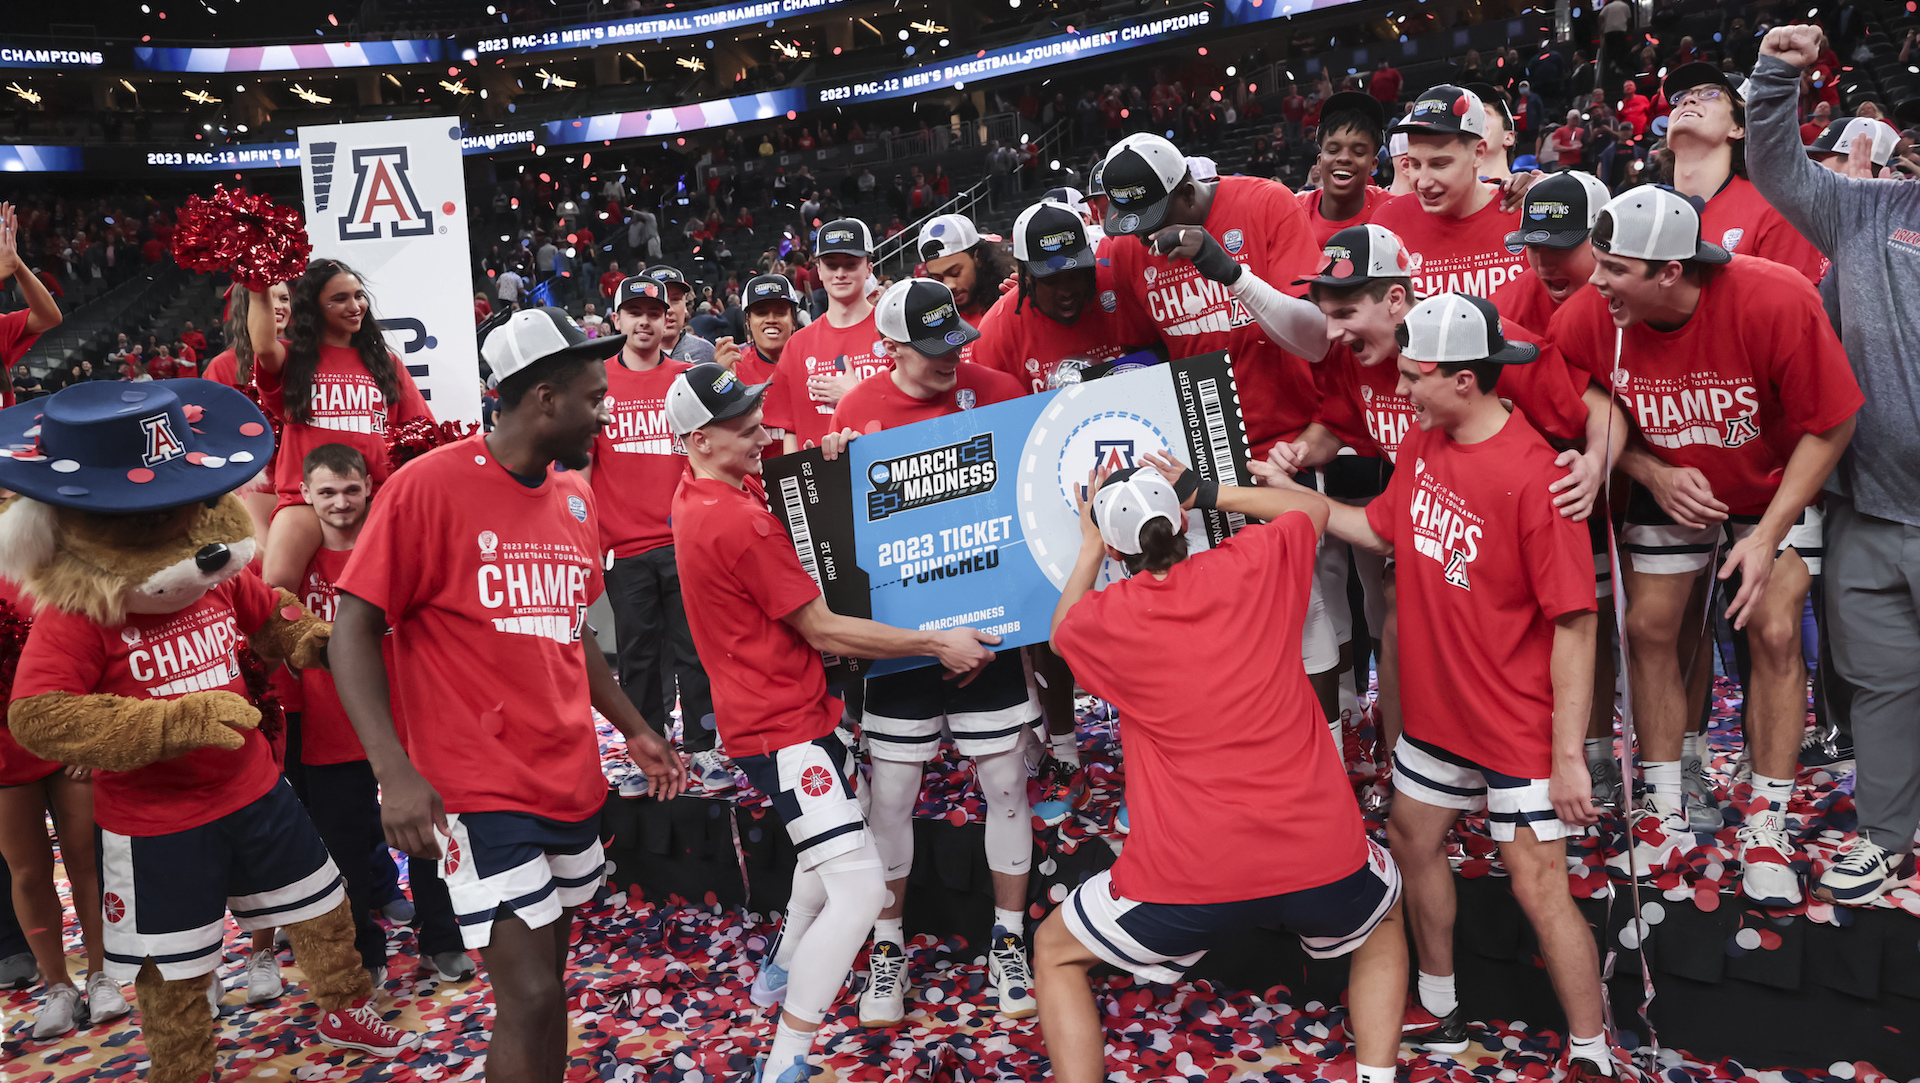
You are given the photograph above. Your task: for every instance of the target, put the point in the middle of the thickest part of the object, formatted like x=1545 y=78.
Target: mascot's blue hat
x=131 y=447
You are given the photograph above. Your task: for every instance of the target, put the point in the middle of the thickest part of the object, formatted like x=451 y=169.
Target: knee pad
x=1003 y=782
x=895 y=787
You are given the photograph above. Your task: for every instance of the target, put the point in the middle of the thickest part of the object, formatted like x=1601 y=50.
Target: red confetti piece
x=194 y=412
x=139 y=475
x=252 y=428
x=292 y=612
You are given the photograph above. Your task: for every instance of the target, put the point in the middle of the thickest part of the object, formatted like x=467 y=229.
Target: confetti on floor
x=659 y=994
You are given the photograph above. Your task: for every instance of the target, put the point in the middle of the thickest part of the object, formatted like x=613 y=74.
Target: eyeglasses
x=1700 y=95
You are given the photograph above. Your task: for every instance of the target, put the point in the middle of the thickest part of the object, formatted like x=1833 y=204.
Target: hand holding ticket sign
x=972 y=519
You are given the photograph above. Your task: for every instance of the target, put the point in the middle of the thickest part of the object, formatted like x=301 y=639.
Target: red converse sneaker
x=360 y=1027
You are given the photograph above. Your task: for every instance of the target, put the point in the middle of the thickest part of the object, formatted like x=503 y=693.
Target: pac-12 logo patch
x=965 y=398
x=489 y=545
x=1234 y=240
x=577 y=508
x=816 y=781
x=1109 y=300
x=1730 y=240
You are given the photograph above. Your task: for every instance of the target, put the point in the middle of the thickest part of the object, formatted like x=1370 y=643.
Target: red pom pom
x=243 y=235
x=419 y=436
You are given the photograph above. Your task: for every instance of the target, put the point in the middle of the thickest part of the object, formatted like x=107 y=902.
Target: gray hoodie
x=1870 y=229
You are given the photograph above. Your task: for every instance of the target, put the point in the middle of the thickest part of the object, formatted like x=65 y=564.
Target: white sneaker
x=1654 y=835
x=263 y=978
x=712 y=771
x=105 y=1002
x=1766 y=856
x=215 y=990
x=883 y=1003
x=1862 y=873
x=453 y=966
x=1012 y=977
x=58 y=1009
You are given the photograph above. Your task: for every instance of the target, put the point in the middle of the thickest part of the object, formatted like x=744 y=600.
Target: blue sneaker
x=797 y=1072
x=1120 y=823
x=1065 y=790
x=711 y=771
x=769 y=986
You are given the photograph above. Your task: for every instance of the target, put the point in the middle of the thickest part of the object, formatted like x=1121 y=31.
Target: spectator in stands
x=1529 y=118
x=610 y=281
x=1565 y=145
x=1635 y=108
x=1616 y=20
x=481 y=309
x=509 y=288
x=193 y=338
x=1386 y=83
x=591 y=321
x=25 y=383
x=1293 y=112
x=1816 y=123
x=186 y=363
x=152 y=250
x=543 y=259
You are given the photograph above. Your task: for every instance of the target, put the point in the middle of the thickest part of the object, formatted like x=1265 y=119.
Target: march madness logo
x=931 y=477
x=383 y=198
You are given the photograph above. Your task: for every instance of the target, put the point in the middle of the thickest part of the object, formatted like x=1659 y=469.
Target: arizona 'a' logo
x=162 y=442
x=383 y=196
x=1740 y=430
x=1457 y=569
x=1113 y=456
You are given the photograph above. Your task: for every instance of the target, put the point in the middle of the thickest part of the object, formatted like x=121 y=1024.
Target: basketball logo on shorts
x=451 y=864
x=114 y=906
x=815 y=781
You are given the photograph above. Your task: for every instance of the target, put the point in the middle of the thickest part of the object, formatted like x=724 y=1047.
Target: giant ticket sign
x=969 y=520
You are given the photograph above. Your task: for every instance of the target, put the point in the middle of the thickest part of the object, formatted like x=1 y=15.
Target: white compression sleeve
x=826 y=951
x=1294 y=324
x=894 y=786
x=1003 y=782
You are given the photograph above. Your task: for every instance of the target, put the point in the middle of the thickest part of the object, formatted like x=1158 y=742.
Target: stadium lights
x=691 y=63
x=200 y=97
x=394 y=81
x=549 y=79
x=310 y=97
x=29 y=96
x=929 y=27
x=456 y=87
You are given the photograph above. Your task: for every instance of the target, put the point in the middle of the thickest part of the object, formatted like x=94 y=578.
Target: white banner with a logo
x=388 y=199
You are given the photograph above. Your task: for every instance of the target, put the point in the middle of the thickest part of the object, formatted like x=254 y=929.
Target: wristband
x=1206 y=495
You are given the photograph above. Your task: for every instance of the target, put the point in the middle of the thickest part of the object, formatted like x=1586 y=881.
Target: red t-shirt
x=1731 y=391
x=1028 y=345
x=1261 y=226
x=1363 y=407
x=1476 y=640
x=1455 y=255
x=326 y=735
x=1525 y=301
x=1739 y=220
x=610 y=282
x=18 y=766
x=1572 y=141
x=485 y=583
x=818 y=349
x=753 y=368
x=1204 y=665
x=1323 y=228
x=161 y=656
x=224 y=369
x=163 y=368
x=15 y=341
x=637 y=461
x=739 y=575
x=878 y=403
x=348 y=408
x=196 y=340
